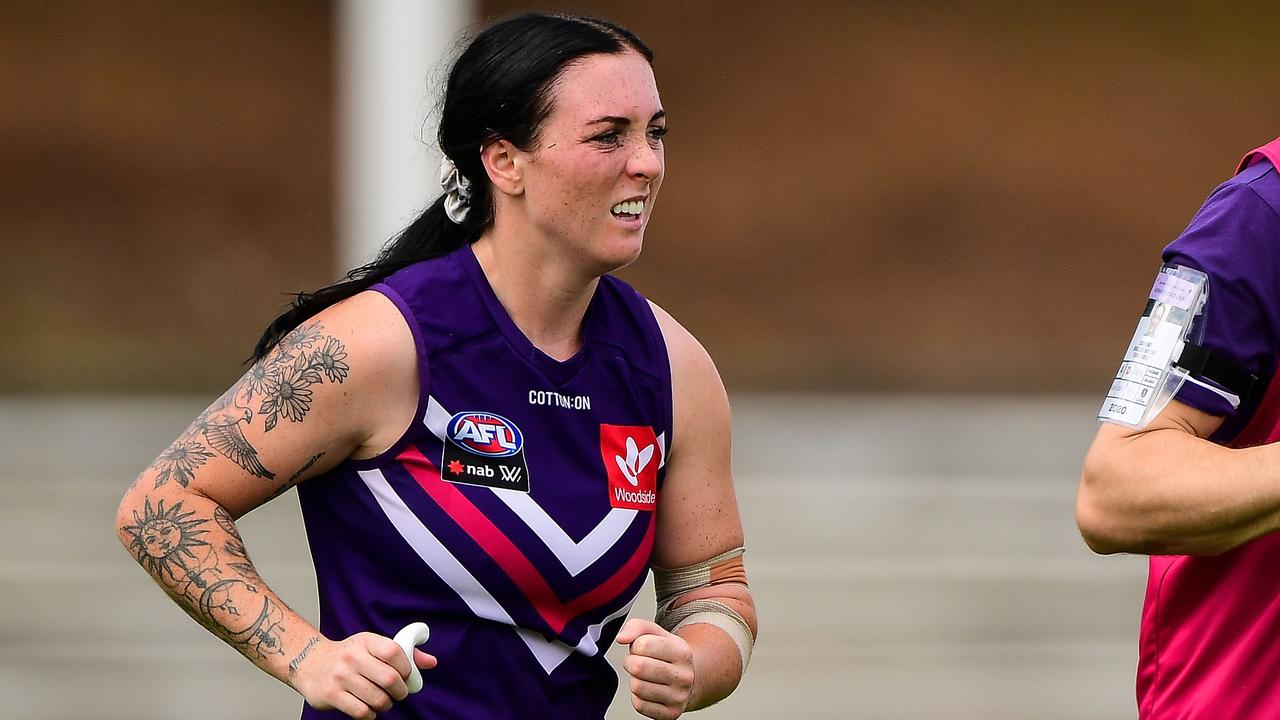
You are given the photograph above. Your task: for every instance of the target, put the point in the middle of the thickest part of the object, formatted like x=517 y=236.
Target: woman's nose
x=646 y=162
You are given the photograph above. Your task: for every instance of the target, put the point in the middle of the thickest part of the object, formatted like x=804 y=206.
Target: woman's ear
x=501 y=162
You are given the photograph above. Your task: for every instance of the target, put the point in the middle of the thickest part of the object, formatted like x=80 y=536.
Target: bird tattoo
x=221 y=426
x=222 y=429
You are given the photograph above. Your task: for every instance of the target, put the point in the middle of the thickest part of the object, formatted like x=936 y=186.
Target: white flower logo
x=635 y=462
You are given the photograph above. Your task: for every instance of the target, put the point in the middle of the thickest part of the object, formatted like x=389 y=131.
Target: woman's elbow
x=126 y=513
x=132 y=512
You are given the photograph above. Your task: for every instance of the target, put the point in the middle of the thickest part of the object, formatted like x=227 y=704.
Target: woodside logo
x=629 y=453
x=635 y=462
x=643 y=500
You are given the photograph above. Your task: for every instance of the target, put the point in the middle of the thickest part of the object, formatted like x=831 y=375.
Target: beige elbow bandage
x=723 y=569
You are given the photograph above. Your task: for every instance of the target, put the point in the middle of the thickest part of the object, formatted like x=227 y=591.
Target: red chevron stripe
x=508 y=557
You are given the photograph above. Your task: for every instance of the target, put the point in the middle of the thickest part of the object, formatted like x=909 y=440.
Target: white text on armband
x=555 y=399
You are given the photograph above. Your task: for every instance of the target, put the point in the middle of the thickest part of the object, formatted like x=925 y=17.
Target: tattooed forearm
x=167 y=543
x=225 y=521
x=240 y=613
x=170 y=543
x=306 y=650
x=278 y=386
x=233 y=546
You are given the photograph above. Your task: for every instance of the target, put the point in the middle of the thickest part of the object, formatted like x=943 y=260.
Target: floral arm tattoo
x=190 y=545
x=276 y=387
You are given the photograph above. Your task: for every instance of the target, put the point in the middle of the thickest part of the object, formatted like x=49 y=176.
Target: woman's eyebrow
x=619 y=120
x=610 y=120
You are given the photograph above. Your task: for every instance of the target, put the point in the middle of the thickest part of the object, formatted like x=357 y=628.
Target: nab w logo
x=481 y=448
x=485 y=434
x=635 y=462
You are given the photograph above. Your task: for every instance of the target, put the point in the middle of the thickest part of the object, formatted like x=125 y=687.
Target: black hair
x=499 y=87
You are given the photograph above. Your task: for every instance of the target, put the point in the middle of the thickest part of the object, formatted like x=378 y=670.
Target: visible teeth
x=630 y=207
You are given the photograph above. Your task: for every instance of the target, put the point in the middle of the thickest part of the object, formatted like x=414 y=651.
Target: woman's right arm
x=344 y=383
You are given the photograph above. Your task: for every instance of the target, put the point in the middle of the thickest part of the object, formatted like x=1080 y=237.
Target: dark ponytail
x=499 y=87
x=430 y=235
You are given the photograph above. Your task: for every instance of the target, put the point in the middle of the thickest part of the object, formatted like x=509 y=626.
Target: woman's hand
x=661 y=668
x=360 y=676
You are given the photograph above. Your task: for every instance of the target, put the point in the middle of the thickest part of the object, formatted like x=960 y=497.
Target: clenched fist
x=360 y=676
x=661 y=668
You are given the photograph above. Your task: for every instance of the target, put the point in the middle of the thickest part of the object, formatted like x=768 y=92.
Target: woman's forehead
x=607 y=86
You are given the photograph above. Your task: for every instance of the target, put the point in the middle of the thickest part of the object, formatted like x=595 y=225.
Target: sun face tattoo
x=167 y=543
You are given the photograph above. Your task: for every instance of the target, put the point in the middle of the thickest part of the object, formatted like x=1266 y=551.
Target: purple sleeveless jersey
x=516 y=515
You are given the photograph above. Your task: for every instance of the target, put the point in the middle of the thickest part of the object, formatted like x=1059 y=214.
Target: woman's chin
x=622 y=252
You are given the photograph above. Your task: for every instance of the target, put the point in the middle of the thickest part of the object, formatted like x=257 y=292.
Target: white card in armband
x=1148 y=377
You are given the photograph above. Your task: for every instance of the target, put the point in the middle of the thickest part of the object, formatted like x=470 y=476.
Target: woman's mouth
x=628 y=209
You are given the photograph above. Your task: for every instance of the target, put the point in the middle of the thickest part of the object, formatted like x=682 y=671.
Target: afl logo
x=485 y=434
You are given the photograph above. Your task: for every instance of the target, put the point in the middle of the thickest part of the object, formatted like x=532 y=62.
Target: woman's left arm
x=695 y=652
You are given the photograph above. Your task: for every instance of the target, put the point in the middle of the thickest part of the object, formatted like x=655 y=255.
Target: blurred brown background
x=913 y=196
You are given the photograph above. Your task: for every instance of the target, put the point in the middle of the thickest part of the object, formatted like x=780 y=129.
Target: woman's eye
x=657 y=133
x=607 y=138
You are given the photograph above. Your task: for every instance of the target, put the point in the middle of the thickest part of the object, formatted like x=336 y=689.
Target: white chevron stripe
x=432 y=551
x=588 y=645
x=437 y=418
x=574 y=556
x=549 y=654
x=578 y=556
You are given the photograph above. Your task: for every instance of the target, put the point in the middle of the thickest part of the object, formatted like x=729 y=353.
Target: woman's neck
x=542 y=295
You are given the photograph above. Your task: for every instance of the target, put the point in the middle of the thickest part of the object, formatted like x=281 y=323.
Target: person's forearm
x=190 y=546
x=1170 y=492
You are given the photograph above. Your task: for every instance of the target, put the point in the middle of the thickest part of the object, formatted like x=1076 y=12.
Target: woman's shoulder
x=369 y=316
x=371 y=333
x=372 y=348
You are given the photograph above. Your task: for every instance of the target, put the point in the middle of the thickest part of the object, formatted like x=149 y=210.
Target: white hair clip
x=457 y=191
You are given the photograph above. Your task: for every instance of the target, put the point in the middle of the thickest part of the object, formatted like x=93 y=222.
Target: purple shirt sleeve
x=1235 y=240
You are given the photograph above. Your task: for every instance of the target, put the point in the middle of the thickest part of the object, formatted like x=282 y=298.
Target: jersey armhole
x=420 y=351
x=660 y=344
